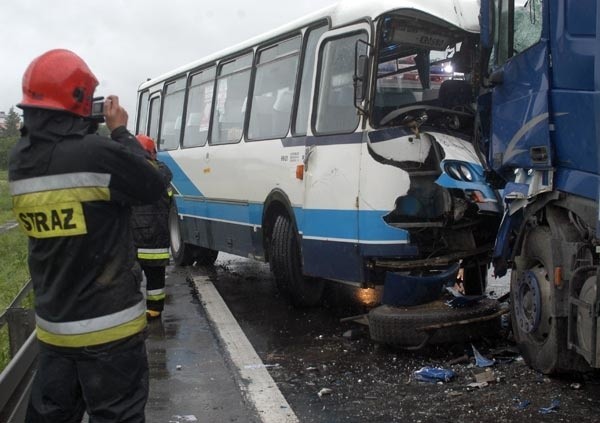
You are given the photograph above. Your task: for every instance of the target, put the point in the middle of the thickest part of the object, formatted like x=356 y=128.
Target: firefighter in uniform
x=72 y=192
x=151 y=236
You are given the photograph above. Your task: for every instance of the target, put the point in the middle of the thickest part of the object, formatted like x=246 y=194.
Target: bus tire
x=286 y=265
x=400 y=326
x=182 y=253
x=541 y=338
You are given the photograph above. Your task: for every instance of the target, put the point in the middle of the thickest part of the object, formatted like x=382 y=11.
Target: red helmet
x=59 y=80
x=147 y=143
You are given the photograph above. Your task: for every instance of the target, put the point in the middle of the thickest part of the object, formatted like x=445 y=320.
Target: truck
x=539 y=131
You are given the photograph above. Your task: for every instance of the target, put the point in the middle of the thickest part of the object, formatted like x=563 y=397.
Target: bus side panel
x=330 y=219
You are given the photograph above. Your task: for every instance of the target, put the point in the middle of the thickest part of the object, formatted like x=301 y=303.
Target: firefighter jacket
x=151 y=225
x=72 y=194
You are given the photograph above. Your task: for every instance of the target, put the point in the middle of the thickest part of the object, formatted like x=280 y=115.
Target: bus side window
x=170 y=129
x=142 y=120
x=232 y=93
x=199 y=105
x=335 y=108
x=308 y=70
x=154 y=118
x=274 y=87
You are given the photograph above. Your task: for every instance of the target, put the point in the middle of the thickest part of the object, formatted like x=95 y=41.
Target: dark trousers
x=109 y=381
x=155 y=279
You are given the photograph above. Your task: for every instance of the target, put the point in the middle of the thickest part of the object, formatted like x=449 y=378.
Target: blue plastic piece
x=554 y=406
x=481 y=361
x=406 y=290
x=434 y=374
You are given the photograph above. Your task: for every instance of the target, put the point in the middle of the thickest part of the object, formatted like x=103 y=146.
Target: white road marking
x=254 y=379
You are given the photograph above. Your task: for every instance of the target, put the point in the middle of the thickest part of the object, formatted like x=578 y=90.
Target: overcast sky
x=124 y=42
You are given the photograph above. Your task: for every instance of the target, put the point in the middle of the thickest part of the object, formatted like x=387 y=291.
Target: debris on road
x=480 y=360
x=554 y=406
x=324 y=391
x=434 y=374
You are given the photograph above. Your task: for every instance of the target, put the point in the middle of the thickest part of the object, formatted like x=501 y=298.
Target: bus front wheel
x=286 y=265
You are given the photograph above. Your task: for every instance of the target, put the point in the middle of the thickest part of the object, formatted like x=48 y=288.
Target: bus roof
x=460 y=13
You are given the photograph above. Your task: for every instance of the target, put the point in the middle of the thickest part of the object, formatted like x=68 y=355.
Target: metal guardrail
x=16 y=378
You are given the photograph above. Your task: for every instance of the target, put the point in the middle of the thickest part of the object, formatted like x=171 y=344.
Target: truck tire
x=286 y=265
x=401 y=325
x=541 y=338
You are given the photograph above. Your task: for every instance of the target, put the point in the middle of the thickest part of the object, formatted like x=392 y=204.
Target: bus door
x=332 y=161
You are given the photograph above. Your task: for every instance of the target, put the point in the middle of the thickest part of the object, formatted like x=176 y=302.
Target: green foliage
x=6 y=143
x=14 y=272
x=12 y=124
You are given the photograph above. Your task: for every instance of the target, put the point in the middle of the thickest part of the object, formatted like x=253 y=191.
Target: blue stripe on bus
x=181 y=181
x=366 y=225
x=313 y=223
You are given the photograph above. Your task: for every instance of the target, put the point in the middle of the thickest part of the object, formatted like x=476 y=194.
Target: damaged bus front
x=420 y=158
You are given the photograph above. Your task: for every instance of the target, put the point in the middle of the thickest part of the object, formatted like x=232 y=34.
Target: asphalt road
x=328 y=370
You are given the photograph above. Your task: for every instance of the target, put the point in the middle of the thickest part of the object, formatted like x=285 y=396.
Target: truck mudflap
x=434 y=322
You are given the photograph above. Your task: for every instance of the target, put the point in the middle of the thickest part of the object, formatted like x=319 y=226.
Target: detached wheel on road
x=286 y=265
x=401 y=325
x=541 y=337
x=185 y=254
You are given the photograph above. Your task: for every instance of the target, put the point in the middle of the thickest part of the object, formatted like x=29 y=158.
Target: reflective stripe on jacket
x=93 y=331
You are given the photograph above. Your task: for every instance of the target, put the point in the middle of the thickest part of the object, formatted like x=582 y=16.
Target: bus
x=339 y=147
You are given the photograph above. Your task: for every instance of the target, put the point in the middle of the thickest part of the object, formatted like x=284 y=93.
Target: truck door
x=332 y=160
x=520 y=127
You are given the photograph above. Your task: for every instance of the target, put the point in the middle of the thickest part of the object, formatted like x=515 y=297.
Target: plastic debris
x=481 y=361
x=464 y=301
x=554 y=406
x=477 y=385
x=434 y=374
x=485 y=376
x=522 y=405
x=180 y=419
x=324 y=391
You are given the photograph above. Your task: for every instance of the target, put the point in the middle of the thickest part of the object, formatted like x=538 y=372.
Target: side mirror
x=486 y=24
x=361 y=73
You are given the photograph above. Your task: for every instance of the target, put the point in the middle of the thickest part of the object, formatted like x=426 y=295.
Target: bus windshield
x=415 y=59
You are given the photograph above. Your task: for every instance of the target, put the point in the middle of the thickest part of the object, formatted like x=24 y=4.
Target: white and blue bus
x=339 y=147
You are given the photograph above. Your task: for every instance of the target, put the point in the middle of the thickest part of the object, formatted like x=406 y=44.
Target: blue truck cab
x=540 y=123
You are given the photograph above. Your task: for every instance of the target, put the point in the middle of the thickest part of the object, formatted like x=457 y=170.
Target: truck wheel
x=286 y=265
x=401 y=325
x=542 y=338
x=182 y=253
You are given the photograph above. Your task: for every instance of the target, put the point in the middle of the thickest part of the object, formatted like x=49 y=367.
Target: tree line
x=9 y=134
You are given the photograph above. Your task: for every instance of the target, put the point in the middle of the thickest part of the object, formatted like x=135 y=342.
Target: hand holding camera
x=114 y=114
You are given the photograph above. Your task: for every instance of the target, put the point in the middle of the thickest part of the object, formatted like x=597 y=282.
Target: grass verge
x=13 y=264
